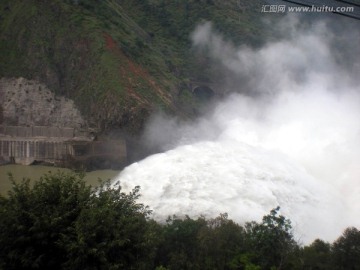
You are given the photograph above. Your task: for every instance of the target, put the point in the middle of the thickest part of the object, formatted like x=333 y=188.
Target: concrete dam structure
x=27 y=151
x=58 y=146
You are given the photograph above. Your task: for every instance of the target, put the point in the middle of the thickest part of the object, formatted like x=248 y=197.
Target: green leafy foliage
x=33 y=220
x=110 y=231
x=317 y=255
x=346 y=250
x=220 y=242
x=271 y=241
x=179 y=248
x=61 y=223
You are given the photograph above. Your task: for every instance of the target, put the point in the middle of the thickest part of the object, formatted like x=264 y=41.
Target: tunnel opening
x=203 y=93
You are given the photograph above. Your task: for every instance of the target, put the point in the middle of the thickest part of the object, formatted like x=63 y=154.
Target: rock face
x=36 y=126
x=29 y=103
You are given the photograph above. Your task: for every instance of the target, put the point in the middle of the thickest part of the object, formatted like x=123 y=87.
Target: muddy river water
x=35 y=172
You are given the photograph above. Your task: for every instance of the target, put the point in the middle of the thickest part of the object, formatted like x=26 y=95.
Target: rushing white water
x=298 y=149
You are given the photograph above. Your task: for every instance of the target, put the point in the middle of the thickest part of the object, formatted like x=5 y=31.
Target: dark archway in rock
x=203 y=93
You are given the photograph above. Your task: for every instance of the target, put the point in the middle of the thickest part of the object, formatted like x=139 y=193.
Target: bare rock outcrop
x=30 y=103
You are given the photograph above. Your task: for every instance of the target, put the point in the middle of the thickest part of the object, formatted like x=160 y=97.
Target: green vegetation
x=119 y=60
x=61 y=223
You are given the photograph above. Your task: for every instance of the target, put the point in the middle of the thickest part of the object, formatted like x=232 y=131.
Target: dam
x=58 y=146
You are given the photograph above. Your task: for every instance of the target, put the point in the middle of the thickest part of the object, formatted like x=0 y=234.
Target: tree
x=60 y=223
x=317 y=256
x=111 y=232
x=220 y=242
x=346 y=250
x=271 y=242
x=179 y=245
x=33 y=220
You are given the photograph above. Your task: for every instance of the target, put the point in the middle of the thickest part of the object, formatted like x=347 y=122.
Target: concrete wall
x=26 y=151
x=115 y=149
x=24 y=145
x=38 y=131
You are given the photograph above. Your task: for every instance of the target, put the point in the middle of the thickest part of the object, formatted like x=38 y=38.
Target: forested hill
x=118 y=60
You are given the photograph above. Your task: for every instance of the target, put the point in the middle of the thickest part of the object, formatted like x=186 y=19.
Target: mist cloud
x=288 y=135
x=286 y=65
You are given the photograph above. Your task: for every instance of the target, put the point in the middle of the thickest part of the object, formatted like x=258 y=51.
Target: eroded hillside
x=118 y=60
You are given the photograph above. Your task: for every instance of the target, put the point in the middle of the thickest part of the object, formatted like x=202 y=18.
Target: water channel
x=35 y=172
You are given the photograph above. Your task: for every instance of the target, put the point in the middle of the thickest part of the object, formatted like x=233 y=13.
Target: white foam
x=299 y=149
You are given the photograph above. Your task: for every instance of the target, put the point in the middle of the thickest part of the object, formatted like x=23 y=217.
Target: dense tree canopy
x=346 y=250
x=61 y=223
x=271 y=242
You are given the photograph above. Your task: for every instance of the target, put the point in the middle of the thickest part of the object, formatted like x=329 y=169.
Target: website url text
x=324 y=8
